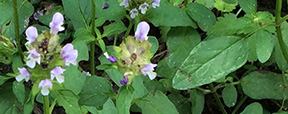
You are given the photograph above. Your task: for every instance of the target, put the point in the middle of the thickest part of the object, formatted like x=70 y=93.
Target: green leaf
x=201 y=14
x=230 y=1
x=140 y=89
x=264 y=45
x=181 y=103
x=72 y=11
x=8 y=102
x=252 y=56
x=29 y=105
x=181 y=40
x=253 y=108
x=163 y=69
x=156 y=103
x=224 y=7
x=113 y=12
x=17 y=63
x=175 y=2
x=229 y=95
x=207 y=3
x=197 y=100
x=279 y=58
x=95 y=92
x=6 y=13
x=114 y=28
x=153 y=85
x=263 y=85
x=108 y=108
x=161 y=16
x=124 y=99
x=154 y=44
x=74 y=79
x=68 y=100
x=249 y=6
x=115 y=75
x=3 y=79
x=211 y=60
x=19 y=91
x=82 y=51
x=83 y=35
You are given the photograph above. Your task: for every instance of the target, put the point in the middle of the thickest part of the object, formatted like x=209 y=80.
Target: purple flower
x=57 y=72
x=148 y=70
x=125 y=80
x=32 y=34
x=55 y=25
x=24 y=74
x=37 y=14
x=143 y=7
x=33 y=57
x=69 y=54
x=45 y=85
x=133 y=13
x=106 y=5
x=124 y=3
x=156 y=3
x=142 y=31
x=112 y=59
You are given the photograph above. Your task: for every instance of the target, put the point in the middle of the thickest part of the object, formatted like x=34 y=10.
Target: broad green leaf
x=108 y=108
x=114 y=28
x=113 y=12
x=157 y=103
x=197 y=100
x=95 y=92
x=252 y=56
x=253 y=108
x=229 y=95
x=153 y=85
x=8 y=102
x=17 y=63
x=3 y=79
x=224 y=7
x=264 y=85
x=6 y=13
x=115 y=75
x=282 y=112
x=230 y=1
x=249 y=6
x=208 y=3
x=68 y=100
x=72 y=11
x=19 y=91
x=74 y=79
x=181 y=103
x=279 y=58
x=264 y=45
x=163 y=69
x=176 y=2
x=154 y=44
x=181 y=40
x=82 y=51
x=83 y=35
x=201 y=14
x=124 y=99
x=161 y=16
x=140 y=89
x=211 y=60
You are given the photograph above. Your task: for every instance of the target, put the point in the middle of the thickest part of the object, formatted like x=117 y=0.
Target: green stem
x=46 y=104
x=52 y=106
x=283 y=19
x=129 y=28
x=217 y=99
x=115 y=39
x=16 y=29
x=239 y=104
x=92 y=44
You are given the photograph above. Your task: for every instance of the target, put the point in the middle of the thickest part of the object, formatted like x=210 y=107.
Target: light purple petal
x=124 y=3
x=24 y=74
x=56 y=24
x=69 y=55
x=58 y=73
x=33 y=57
x=148 y=70
x=133 y=13
x=32 y=34
x=156 y=3
x=45 y=85
x=142 y=31
x=143 y=7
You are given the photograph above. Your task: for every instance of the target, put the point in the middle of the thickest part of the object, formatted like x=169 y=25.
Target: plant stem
x=46 y=104
x=129 y=28
x=278 y=29
x=217 y=99
x=239 y=104
x=115 y=39
x=92 y=44
x=16 y=29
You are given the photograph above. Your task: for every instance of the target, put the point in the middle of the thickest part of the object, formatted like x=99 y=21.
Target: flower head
x=45 y=85
x=55 y=25
x=148 y=70
x=112 y=59
x=156 y=3
x=142 y=31
x=58 y=73
x=24 y=74
x=33 y=57
x=106 y=5
x=124 y=3
x=143 y=7
x=133 y=13
x=31 y=33
x=69 y=54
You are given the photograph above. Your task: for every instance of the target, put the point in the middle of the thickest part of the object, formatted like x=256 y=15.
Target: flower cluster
x=142 y=7
x=47 y=56
x=133 y=56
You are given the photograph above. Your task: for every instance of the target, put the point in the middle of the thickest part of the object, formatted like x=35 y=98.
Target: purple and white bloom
x=45 y=85
x=32 y=34
x=124 y=3
x=126 y=80
x=24 y=74
x=112 y=59
x=133 y=13
x=148 y=70
x=37 y=14
x=58 y=73
x=143 y=7
x=142 y=31
x=55 y=25
x=69 y=54
x=106 y=5
x=33 y=57
x=155 y=3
